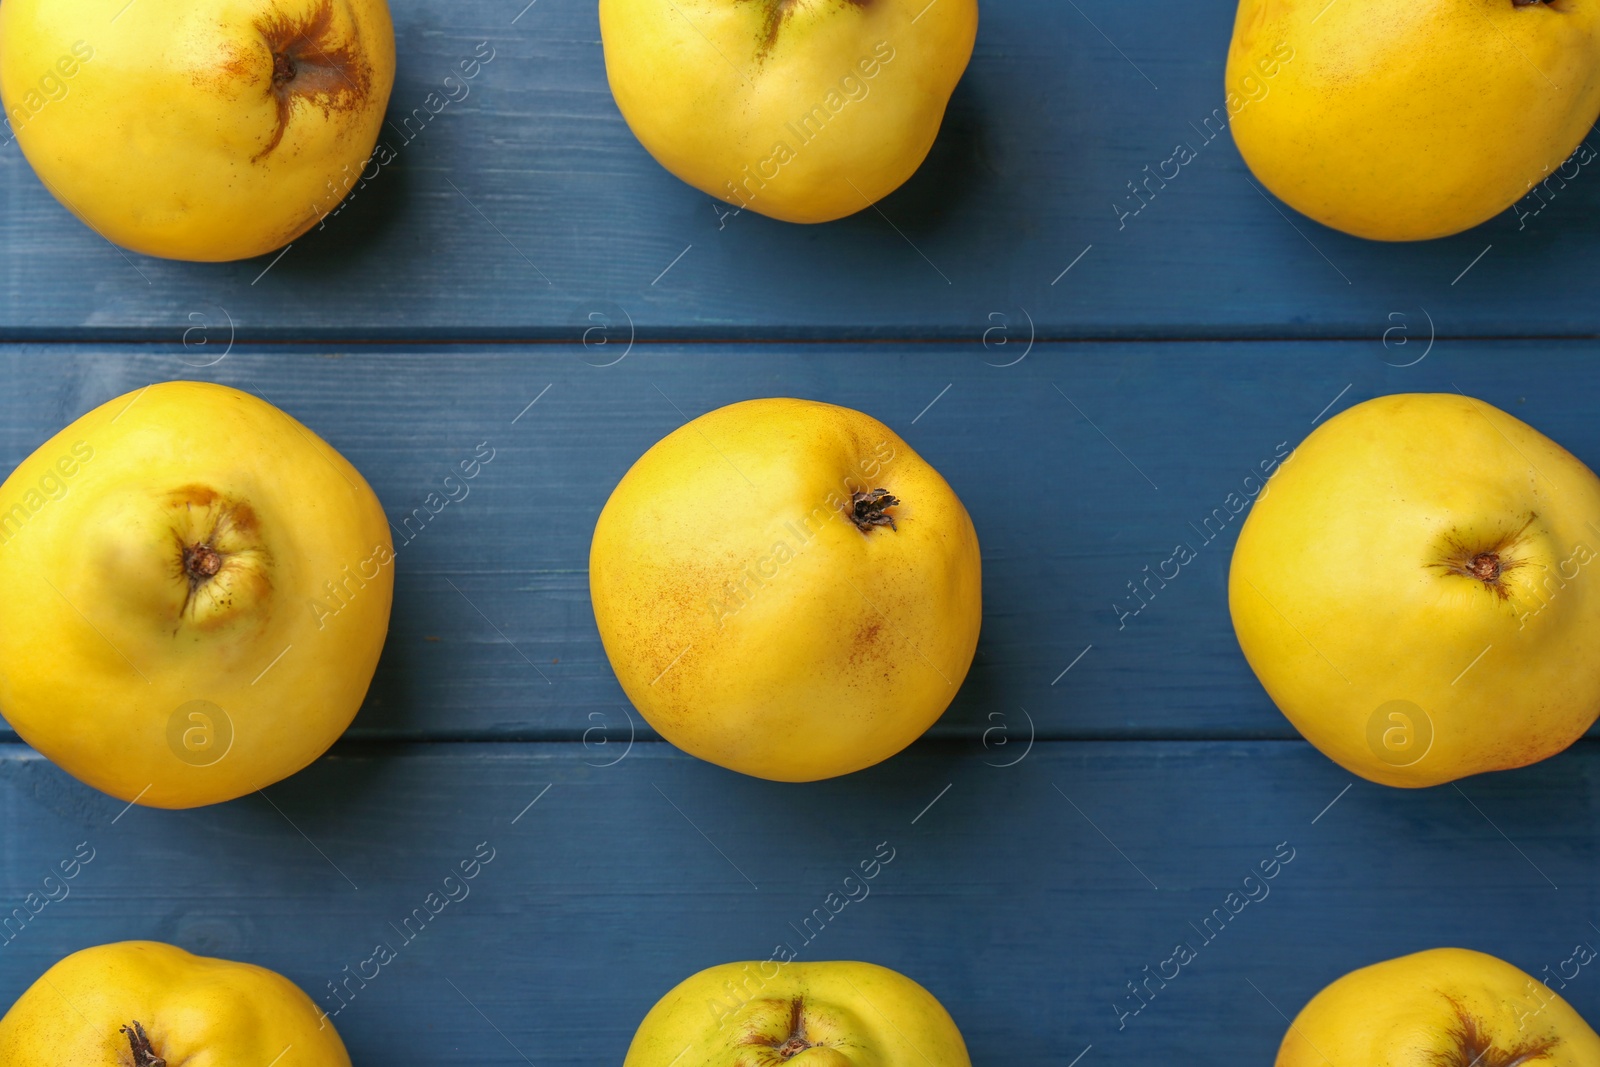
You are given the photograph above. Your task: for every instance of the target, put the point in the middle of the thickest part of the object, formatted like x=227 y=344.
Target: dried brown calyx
x=312 y=62
x=795 y=1043
x=1489 y=563
x=870 y=509
x=201 y=562
x=220 y=556
x=1472 y=1047
x=144 y=1055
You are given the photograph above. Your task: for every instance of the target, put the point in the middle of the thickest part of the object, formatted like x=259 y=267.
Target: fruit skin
x=751 y=622
x=1447 y=1007
x=193 y=1009
x=1401 y=122
x=852 y=1014
x=716 y=90
x=1343 y=597
x=101 y=643
x=167 y=138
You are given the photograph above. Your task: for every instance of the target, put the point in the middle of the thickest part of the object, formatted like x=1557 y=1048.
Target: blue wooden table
x=1093 y=383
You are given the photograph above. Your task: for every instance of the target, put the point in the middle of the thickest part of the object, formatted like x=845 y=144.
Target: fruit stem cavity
x=283 y=68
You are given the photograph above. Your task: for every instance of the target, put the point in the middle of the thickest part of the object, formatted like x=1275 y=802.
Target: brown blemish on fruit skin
x=195 y=496
x=240 y=67
x=308 y=65
x=243 y=518
x=866 y=640
x=777 y=12
x=1474 y=1048
x=240 y=516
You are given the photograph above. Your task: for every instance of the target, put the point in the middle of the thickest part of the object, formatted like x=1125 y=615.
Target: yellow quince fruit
x=830 y=1014
x=1447 y=1007
x=806 y=112
x=1400 y=122
x=1416 y=590
x=197 y=129
x=146 y=1004
x=785 y=588
x=197 y=591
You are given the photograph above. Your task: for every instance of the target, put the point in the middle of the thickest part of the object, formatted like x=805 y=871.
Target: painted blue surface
x=528 y=206
x=1025 y=897
x=1101 y=782
x=1080 y=833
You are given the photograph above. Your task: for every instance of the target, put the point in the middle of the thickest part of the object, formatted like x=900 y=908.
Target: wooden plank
x=528 y=206
x=1081 y=465
x=1024 y=897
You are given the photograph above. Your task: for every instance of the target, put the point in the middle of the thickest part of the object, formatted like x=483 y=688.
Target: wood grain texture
x=528 y=206
x=1024 y=897
x=1081 y=465
x=1099 y=786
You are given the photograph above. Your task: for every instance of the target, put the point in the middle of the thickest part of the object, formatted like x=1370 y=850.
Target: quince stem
x=143 y=1054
